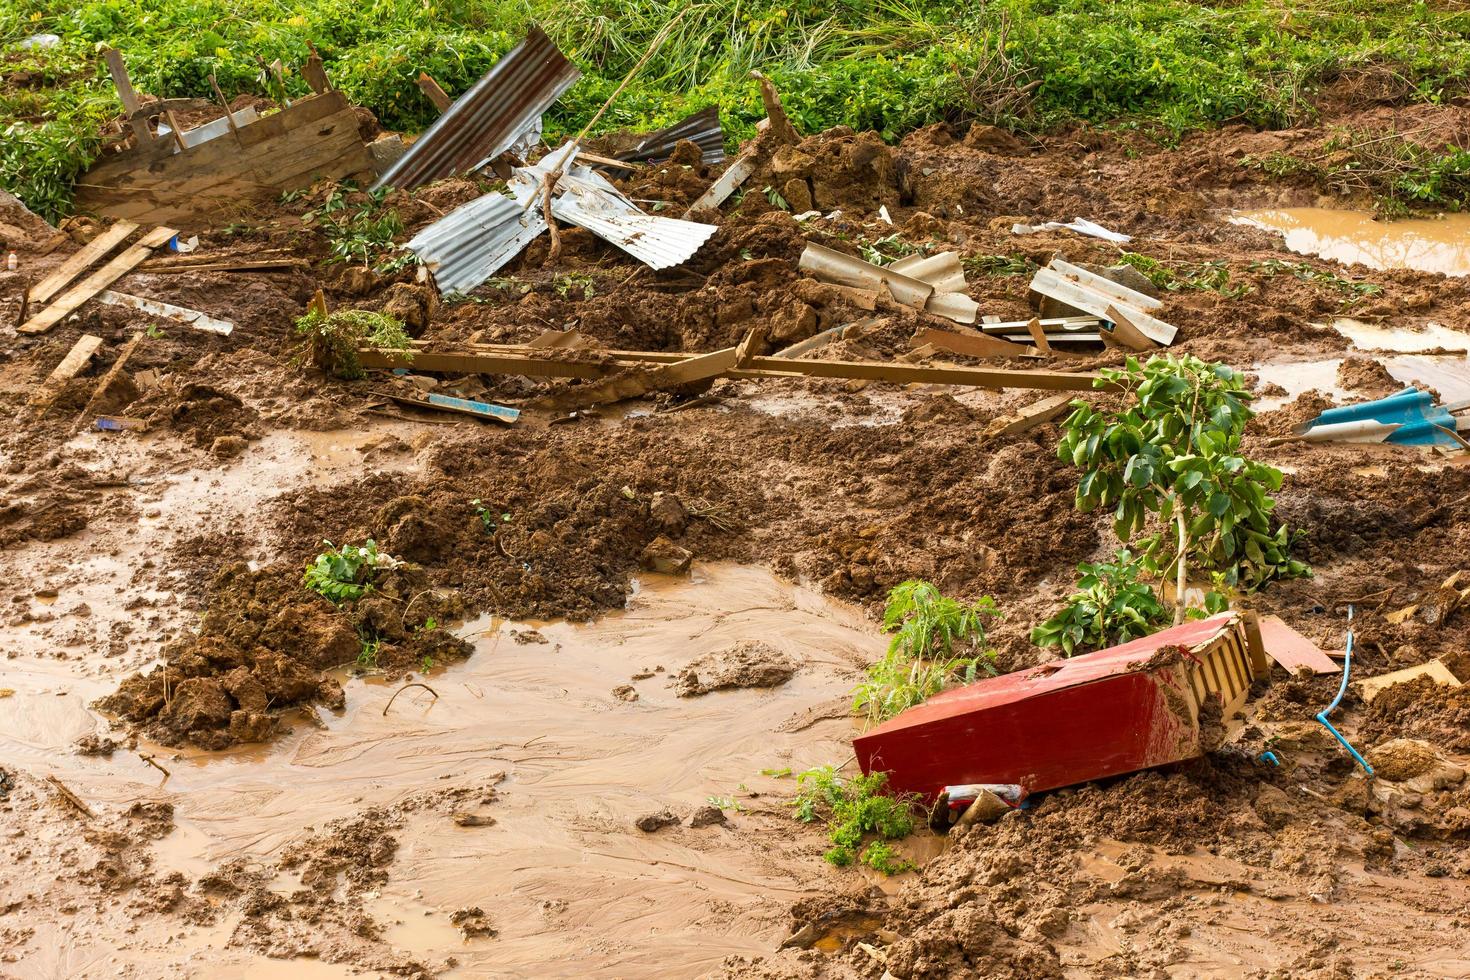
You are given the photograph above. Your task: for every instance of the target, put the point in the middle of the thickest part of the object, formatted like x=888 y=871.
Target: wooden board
x=973 y=345
x=109 y=378
x=70 y=366
x=96 y=282
x=82 y=259
x=488 y=411
x=1435 y=670
x=644 y=380
x=315 y=136
x=1292 y=650
x=436 y=95
x=735 y=175
x=1125 y=333
x=1028 y=418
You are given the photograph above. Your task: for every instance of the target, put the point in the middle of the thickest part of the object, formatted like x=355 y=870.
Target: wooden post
x=436 y=95
x=126 y=95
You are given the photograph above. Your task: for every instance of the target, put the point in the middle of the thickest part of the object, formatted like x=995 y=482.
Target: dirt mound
x=1421 y=709
x=1367 y=377
x=200 y=412
x=749 y=663
x=263 y=645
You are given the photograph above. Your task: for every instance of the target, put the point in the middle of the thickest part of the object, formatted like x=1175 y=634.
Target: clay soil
x=255 y=807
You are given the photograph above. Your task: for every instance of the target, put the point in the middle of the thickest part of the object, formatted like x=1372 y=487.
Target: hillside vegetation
x=1168 y=66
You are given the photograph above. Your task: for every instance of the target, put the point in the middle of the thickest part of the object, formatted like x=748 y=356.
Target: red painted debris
x=1292 y=650
x=1115 y=711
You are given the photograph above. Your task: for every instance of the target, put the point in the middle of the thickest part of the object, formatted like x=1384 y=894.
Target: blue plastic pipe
x=1347 y=666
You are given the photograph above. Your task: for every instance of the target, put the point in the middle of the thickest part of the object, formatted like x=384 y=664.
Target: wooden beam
x=1029 y=417
x=974 y=345
x=436 y=95
x=109 y=378
x=1125 y=333
x=724 y=185
x=950 y=374
x=489 y=362
x=1038 y=335
x=70 y=366
x=642 y=380
x=227 y=265
x=126 y=95
x=81 y=259
x=96 y=282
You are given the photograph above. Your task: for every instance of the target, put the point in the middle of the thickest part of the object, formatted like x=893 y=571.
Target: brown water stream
x=1429 y=244
x=571 y=887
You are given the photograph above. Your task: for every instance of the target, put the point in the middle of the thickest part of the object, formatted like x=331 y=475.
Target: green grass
x=1168 y=66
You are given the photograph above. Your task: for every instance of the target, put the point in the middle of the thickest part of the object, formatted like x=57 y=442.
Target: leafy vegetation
x=1350 y=289
x=360 y=232
x=1165 y=65
x=936 y=642
x=1400 y=171
x=345 y=574
x=332 y=341
x=1212 y=276
x=1173 y=452
x=856 y=809
x=1111 y=605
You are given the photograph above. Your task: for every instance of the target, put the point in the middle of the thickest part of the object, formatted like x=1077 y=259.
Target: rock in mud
x=197 y=704
x=95 y=744
x=625 y=692
x=227 y=447
x=652 y=822
x=1411 y=760
x=749 y=663
x=668 y=512
x=463 y=819
x=707 y=816
x=472 y=922
x=665 y=557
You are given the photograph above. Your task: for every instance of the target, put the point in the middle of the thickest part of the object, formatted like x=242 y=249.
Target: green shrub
x=1110 y=606
x=1173 y=452
x=332 y=341
x=856 y=809
x=936 y=641
x=345 y=574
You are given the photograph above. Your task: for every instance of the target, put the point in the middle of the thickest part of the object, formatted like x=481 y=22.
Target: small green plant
x=359 y=232
x=999 y=265
x=1211 y=276
x=489 y=520
x=345 y=574
x=367 y=653
x=332 y=341
x=886 y=250
x=774 y=196
x=1351 y=290
x=781 y=773
x=1110 y=606
x=154 y=331
x=567 y=284
x=725 y=803
x=426 y=665
x=856 y=809
x=936 y=642
x=1174 y=452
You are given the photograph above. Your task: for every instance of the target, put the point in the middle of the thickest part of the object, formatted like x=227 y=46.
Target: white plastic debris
x=1080 y=225
x=40 y=41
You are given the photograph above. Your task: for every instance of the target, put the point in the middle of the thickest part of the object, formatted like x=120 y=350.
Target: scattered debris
x=472 y=921
x=70 y=797
x=463 y=819
x=625 y=692
x=1435 y=670
x=490 y=118
x=1080 y=225
x=1409 y=418
x=463 y=406
x=404 y=688
x=80 y=260
x=73 y=298
x=1123 y=310
x=71 y=365
x=192 y=319
x=701 y=128
x=658 y=820
x=1158 y=699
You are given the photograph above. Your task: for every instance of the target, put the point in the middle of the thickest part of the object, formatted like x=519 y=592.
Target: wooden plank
x=1292 y=650
x=640 y=381
x=485 y=363
x=127 y=95
x=436 y=95
x=845 y=332
x=951 y=374
x=226 y=266
x=1435 y=670
x=1074 y=294
x=315 y=73
x=1038 y=335
x=1029 y=417
x=973 y=345
x=1102 y=284
x=735 y=174
x=70 y=366
x=84 y=257
x=96 y=282
x=109 y=378
x=1125 y=333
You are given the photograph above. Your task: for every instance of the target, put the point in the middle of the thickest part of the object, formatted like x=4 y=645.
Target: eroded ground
x=491 y=831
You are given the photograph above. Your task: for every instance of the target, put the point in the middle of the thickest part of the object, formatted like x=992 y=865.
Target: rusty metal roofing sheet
x=486 y=120
x=703 y=128
x=472 y=242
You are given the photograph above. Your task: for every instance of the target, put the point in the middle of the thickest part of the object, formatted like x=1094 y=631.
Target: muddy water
x=572 y=888
x=1430 y=244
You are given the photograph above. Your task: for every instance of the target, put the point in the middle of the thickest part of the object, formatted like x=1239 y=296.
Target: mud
x=489 y=825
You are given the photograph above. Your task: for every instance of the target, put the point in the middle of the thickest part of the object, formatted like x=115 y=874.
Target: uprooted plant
x=1111 y=605
x=937 y=641
x=1173 y=452
x=331 y=341
x=345 y=574
x=856 y=810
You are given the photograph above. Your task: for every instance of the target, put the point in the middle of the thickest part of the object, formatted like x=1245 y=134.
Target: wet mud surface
x=152 y=612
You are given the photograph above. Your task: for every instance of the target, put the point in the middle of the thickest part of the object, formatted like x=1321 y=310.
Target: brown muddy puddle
x=569 y=884
x=1428 y=244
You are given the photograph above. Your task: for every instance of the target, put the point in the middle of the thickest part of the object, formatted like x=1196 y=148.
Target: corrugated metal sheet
x=658 y=242
x=486 y=120
x=703 y=128
x=472 y=242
